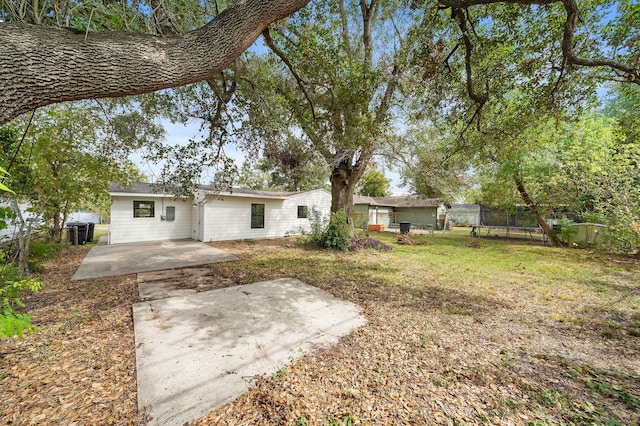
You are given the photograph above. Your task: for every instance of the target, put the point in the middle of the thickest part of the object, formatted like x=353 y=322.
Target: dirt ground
x=427 y=356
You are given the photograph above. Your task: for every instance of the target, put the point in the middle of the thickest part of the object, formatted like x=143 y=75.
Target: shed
x=390 y=211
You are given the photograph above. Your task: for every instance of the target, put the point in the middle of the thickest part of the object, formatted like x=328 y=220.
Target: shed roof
x=465 y=207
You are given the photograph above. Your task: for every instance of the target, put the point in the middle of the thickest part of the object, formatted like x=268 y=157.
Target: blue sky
x=178 y=134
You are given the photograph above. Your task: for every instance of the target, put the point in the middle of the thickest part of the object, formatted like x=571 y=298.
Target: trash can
x=405 y=227
x=90 y=228
x=82 y=233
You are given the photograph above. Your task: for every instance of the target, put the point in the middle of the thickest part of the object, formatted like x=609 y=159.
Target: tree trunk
x=42 y=65
x=24 y=239
x=536 y=212
x=342 y=186
x=344 y=177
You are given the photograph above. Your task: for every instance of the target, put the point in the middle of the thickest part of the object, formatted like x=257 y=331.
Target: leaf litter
x=434 y=354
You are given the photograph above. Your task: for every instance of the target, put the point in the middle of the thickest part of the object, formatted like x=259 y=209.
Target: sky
x=178 y=134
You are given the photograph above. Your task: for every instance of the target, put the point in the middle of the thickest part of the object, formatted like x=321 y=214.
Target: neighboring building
x=138 y=213
x=13 y=225
x=390 y=211
x=465 y=214
x=83 y=216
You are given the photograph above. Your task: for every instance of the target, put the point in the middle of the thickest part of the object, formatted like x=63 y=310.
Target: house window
x=143 y=208
x=303 y=212
x=257 y=215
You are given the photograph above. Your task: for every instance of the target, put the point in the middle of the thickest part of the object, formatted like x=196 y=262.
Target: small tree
x=374 y=184
x=12 y=283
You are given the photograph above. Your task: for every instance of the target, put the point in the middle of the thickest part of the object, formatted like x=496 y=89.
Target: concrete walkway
x=197 y=352
x=120 y=259
x=198 y=348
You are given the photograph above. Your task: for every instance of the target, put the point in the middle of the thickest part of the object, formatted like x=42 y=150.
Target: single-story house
x=140 y=213
x=390 y=211
x=465 y=214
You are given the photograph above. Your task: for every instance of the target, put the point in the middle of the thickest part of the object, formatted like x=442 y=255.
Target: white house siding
x=126 y=229
x=228 y=217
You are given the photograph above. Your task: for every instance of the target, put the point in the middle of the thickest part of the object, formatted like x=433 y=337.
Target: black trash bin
x=82 y=233
x=90 y=228
x=405 y=227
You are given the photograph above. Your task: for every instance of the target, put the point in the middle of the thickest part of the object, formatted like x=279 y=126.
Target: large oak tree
x=41 y=64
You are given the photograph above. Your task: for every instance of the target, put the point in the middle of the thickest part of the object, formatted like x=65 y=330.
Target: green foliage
x=347 y=420
x=318 y=224
x=280 y=374
x=11 y=322
x=338 y=233
x=302 y=421
x=65 y=160
x=42 y=249
x=333 y=233
x=3 y=187
x=564 y=230
x=374 y=184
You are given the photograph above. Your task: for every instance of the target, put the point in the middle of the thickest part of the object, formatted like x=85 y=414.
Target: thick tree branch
x=164 y=17
x=631 y=74
x=344 y=27
x=368 y=17
x=462 y=23
x=283 y=58
x=388 y=93
x=41 y=65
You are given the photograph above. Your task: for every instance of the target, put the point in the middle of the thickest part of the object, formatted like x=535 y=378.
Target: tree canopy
x=57 y=51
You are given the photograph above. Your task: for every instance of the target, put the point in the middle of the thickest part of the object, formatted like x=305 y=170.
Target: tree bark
x=536 y=212
x=344 y=177
x=342 y=187
x=43 y=65
x=24 y=239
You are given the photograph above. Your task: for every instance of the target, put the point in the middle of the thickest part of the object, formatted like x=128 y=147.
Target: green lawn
x=460 y=331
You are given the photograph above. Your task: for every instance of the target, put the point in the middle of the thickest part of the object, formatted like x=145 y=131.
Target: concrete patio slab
x=197 y=352
x=120 y=259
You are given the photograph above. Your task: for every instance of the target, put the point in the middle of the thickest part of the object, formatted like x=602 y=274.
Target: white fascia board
x=256 y=196
x=140 y=195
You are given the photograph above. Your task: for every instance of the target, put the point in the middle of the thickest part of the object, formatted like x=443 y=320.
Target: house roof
x=137 y=188
x=397 y=201
x=151 y=189
x=465 y=207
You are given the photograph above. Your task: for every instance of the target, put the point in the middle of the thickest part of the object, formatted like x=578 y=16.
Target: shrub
x=338 y=233
x=41 y=249
x=333 y=233
x=11 y=286
x=564 y=230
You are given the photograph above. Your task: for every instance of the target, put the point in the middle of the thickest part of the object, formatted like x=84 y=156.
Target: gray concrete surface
x=197 y=352
x=120 y=259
